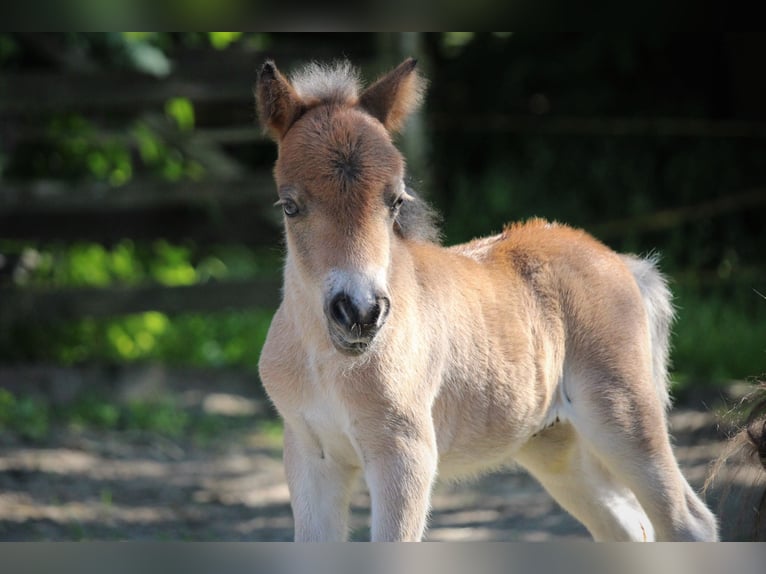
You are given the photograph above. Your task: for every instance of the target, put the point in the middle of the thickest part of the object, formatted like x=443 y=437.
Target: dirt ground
x=121 y=485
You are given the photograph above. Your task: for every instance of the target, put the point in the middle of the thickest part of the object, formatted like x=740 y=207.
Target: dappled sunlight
x=70 y=462
x=109 y=489
x=56 y=461
x=123 y=487
x=18 y=507
x=229 y=405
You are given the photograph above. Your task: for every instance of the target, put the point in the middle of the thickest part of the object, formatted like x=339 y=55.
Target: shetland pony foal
x=395 y=357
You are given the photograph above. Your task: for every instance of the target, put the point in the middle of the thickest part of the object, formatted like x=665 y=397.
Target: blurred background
x=140 y=252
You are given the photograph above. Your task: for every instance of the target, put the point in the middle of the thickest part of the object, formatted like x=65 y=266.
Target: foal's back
x=572 y=278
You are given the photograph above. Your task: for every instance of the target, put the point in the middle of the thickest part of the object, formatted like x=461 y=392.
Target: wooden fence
x=232 y=204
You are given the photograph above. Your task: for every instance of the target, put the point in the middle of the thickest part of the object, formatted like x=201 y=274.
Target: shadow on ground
x=112 y=485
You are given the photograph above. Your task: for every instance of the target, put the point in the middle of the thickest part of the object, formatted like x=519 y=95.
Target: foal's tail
x=659 y=310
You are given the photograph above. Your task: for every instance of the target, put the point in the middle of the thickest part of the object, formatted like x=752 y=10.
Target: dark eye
x=289 y=207
x=396 y=204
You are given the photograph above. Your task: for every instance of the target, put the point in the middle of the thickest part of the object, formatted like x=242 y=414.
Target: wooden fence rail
x=601 y=126
x=46 y=305
x=208 y=212
x=669 y=218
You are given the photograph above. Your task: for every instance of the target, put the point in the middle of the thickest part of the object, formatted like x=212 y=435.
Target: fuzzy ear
x=277 y=101
x=394 y=96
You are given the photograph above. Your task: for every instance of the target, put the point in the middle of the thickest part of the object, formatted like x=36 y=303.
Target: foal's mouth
x=352 y=348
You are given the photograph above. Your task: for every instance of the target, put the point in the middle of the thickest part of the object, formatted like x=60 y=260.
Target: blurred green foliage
x=482 y=177
x=8 y=47
x=720 y=334
x=226 y=338
x=33 y=418
x=27 y=416
x=221 y=40
x=181 y=111
x=83 y=264
x=76 y=150
x=212 y=339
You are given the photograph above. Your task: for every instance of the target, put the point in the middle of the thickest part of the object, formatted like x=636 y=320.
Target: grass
x=718 y=336
x=28 y=417
x=34 y=419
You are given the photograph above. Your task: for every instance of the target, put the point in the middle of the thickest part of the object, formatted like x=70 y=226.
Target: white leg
x=320 y=489
x=583 y=487
x=636 y=449
x=400 y=477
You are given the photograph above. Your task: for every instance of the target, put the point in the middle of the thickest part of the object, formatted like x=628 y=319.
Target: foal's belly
x=481 y=427
x=469 y=462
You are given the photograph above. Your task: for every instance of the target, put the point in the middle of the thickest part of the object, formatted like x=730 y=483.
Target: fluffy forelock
x=336 y=82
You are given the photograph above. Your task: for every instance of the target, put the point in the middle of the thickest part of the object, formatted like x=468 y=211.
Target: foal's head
x=341 y=186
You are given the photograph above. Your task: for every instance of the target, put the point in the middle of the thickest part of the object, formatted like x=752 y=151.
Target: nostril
x=372 y=316
x=377 y=313
x=342 y=311
x=383 y=306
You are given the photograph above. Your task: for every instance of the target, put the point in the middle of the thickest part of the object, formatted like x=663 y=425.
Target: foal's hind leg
x=623 y=425
x=578 y=481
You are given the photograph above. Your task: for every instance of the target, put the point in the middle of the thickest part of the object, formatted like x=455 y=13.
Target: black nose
x=359 y=321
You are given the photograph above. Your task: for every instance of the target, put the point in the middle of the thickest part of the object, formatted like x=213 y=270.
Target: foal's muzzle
x=353 y=325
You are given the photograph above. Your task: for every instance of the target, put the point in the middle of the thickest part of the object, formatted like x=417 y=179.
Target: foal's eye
x=397 y=203
x=289 y=207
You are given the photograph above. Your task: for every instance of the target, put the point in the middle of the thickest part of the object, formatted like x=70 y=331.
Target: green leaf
x=221 y=40
x=181 y=110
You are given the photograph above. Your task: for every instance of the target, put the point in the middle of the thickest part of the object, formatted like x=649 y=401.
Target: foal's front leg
x=320 y=488
x=400 y=469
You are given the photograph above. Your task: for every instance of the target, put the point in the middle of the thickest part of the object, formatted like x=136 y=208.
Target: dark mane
x=418 y=220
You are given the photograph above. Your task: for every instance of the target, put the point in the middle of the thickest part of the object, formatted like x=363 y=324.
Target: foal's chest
x=322 y=415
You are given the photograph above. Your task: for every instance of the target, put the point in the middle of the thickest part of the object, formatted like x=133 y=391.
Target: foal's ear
x=277 y=101
x=394 y=96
